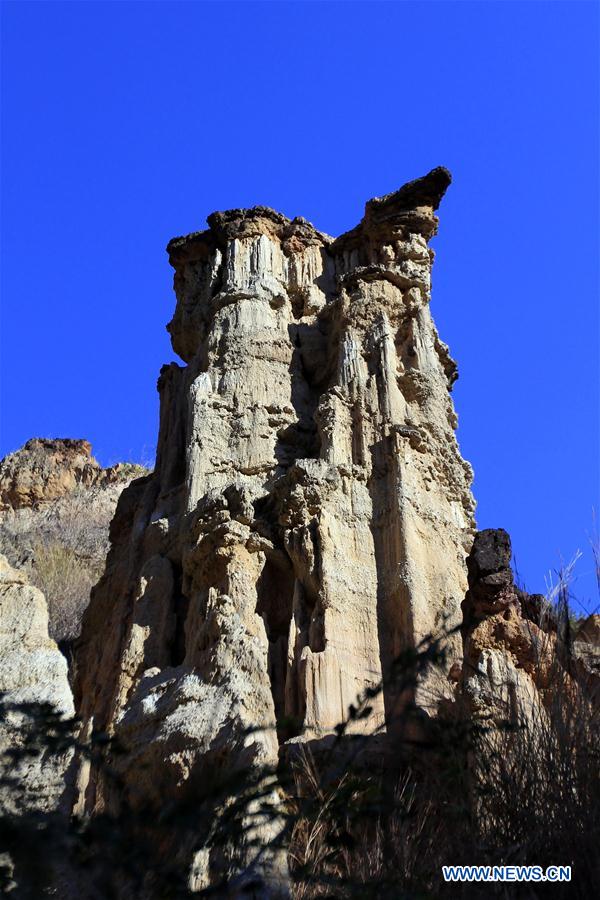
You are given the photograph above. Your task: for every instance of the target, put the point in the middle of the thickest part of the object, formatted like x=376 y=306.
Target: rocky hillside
x=56 y=504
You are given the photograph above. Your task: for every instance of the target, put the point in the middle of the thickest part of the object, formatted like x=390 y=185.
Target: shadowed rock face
x=518 y=649
x=309 y=514
x=32 y=671
x=587 y=651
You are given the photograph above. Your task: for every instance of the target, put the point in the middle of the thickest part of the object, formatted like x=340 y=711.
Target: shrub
x=66 y=579
x=63 y=546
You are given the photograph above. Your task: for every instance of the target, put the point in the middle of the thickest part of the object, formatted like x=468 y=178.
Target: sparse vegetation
x=127 y=471
x=66 y=580
x=62 y=545
x=525 y=791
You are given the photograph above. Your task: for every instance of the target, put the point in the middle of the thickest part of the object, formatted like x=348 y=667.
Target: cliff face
x=309 y=515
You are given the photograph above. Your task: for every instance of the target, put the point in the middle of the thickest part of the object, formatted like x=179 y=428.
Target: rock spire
x=309 y=515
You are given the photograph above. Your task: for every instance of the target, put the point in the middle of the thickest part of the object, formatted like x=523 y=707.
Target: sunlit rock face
x=45 y=469
x=519 y=652
x=309 y=514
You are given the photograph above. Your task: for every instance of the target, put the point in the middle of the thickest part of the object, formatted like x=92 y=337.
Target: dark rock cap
x=423 y=194
x=425 y=191
x=491 y=553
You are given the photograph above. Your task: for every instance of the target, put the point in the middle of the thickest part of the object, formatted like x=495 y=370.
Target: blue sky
x=124 y=124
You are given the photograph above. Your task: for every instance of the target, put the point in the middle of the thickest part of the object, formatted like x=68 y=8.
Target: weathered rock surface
x=309 y=514
x=502 y=649
x=46 y=469
x=32 y=671
x=517 y=651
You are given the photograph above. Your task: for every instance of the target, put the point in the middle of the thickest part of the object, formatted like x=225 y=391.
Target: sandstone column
x=309 y=514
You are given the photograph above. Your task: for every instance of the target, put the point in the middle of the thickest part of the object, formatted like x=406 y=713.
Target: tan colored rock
x=526 y=694
x=499 y=657
x=32 y=671
x=309 y=515
x=517 y=658
x=45 y=469
x=588 y=632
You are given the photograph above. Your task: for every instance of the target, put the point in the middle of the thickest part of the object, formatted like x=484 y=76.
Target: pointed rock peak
x=426 y=191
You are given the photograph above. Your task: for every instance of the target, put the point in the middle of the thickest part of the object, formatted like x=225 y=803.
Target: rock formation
x=309 y=514
x=308 y=520
x=518 y=650
x=503 y=648
x=45 y=469
x=32 y=671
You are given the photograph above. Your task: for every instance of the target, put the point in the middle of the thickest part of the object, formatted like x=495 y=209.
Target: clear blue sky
x=125 y=124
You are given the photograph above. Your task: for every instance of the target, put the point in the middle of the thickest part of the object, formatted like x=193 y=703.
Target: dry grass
x=66 y=580
x=525 y=791
x=539 y=787
x=63 y=546
x=367 y=836
x=520 y=786
x=531 y=796
x=520 y=791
